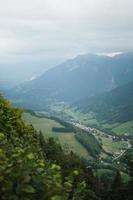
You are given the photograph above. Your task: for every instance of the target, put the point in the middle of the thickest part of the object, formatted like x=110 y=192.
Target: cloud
x=44 y=30
x=113 y=54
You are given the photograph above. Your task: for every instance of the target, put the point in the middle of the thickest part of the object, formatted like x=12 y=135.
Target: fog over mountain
x=36 y=35
x=76 y=79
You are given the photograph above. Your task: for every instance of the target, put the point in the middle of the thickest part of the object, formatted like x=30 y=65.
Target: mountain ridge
x=81 y=77
x=113 y=106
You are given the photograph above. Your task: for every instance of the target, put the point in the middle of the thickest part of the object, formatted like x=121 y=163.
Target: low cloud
x=41 y=31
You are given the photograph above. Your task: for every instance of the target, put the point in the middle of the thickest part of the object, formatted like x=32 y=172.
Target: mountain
x=78 y=78
x=13 y=74
x=112 y=106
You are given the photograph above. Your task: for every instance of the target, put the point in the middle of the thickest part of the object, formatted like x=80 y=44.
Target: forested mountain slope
x=113 y=106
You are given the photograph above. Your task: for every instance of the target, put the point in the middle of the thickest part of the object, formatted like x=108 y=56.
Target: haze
x=36 y=34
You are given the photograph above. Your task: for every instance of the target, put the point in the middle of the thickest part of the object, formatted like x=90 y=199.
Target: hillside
x=66 y=139
x=69 y=137
x=33 y=168
x=76 y=79
x=114 y=106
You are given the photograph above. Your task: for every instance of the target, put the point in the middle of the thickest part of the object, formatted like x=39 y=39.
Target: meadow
x=67 y=140
x=90 y=119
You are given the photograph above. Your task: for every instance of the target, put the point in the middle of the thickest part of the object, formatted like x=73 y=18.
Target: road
x=96 y=132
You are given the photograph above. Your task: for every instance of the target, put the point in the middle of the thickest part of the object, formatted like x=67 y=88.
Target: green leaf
x=28 y=189
x=2 y=135
x=56 y=198
x=30 y=156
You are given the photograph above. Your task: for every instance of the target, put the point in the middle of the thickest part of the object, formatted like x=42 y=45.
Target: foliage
x=34 y=168
x=65 y=130
x=89 y=142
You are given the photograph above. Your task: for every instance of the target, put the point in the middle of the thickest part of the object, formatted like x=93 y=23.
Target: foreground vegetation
x=32 y=167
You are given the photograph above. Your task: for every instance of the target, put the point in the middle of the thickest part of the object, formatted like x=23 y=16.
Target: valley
x=113 y=148
x=111 y=144
x=67 y=140
x=115 y=140
x=67 y=112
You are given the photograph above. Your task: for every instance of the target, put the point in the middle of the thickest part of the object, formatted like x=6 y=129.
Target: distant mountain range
x=75 y=80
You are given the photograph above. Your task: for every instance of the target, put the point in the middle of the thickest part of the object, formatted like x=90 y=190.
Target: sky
x=38 y=34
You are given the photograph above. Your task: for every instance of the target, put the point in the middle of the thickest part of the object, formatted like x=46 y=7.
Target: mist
x=37 y=35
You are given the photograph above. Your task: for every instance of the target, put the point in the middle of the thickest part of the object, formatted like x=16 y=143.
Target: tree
x=117 y=183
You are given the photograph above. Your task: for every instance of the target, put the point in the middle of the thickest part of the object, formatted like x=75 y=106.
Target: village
x=97 y=133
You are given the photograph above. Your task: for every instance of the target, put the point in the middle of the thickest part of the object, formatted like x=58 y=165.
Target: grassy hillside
x=125 y=128
x=113 y=147
x=67 y=140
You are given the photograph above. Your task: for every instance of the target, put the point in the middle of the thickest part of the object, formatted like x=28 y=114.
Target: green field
x=67 y=140
x=113 y=146
x=124 y=129
x=66 y=111
x=91 y=120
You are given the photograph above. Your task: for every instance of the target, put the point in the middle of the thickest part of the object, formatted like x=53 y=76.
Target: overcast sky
x=46 y=32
